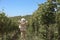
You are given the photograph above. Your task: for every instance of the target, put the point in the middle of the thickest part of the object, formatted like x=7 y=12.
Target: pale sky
x=19 y=7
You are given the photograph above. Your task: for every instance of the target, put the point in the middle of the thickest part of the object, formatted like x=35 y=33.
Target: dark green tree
x=48 y=18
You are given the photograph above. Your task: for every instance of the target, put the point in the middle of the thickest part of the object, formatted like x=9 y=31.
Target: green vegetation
x=43 y=24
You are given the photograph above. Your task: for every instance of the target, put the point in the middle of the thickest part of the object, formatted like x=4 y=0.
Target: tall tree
x=58 y=25
x=2 y=24
x=58 y=18
x=36 y=21
x=48 y=18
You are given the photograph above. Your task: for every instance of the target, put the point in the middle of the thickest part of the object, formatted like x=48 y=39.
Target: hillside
x=16 y=18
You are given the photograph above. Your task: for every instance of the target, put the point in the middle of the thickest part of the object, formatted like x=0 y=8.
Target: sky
x=19 y=7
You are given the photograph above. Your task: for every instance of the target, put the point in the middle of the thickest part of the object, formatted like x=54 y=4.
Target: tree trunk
x=49 y=33
x=58 y=33
x=2 y=36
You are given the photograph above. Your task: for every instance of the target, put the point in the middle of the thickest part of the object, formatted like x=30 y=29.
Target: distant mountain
x=16 y=18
